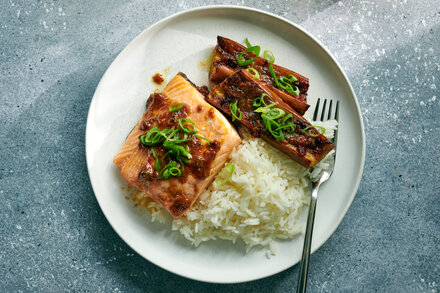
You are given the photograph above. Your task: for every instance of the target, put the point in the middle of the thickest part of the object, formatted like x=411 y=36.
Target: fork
x=316 y=182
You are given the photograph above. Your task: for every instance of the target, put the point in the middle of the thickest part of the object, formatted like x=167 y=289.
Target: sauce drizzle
x=158 y=78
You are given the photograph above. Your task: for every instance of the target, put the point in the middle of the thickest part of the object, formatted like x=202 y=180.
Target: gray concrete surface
x=55 y=238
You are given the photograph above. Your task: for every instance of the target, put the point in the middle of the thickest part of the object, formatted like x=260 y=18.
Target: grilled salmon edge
x=130 y=162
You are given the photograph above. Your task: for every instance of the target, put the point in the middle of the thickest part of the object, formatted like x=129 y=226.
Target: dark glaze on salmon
x=242 y=87
x=224 y=63
x=137 y=163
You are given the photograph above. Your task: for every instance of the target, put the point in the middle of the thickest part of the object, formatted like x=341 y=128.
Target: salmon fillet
x=224 y=63
x=138 y=162
x=301 y=141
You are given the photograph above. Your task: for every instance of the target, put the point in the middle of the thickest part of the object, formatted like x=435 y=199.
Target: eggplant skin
x=242 y=88
x=224 y=63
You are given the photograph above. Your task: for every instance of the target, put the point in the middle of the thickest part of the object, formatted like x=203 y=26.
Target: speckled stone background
x=54 y=236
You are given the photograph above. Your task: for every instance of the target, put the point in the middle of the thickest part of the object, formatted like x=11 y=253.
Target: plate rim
x=244 y=9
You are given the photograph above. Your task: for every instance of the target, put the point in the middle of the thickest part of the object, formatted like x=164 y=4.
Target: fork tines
x=323 y=111
x=329 y=114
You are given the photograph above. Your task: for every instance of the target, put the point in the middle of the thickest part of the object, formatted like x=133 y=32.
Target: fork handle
x=304 y=267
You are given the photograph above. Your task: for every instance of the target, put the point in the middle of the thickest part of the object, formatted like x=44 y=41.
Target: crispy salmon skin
x=295 y=136
x=143 y=166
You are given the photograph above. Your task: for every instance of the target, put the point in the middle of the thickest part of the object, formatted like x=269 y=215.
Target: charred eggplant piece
x=224 y=63
x=266 y=115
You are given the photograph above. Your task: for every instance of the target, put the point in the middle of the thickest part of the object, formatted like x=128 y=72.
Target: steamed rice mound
x=261 y=202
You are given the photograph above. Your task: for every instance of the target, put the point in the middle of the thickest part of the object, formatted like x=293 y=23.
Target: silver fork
x=323 y=176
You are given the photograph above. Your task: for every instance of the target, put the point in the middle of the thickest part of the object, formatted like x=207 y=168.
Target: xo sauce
x=238 y=88
x=229 y=54
x=158 y=78
x=202 y=152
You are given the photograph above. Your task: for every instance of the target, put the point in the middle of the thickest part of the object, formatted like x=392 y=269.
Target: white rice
x=259 y=204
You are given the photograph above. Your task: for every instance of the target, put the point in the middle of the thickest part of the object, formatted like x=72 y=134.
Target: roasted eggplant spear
x=225 y=62
x=266 y=115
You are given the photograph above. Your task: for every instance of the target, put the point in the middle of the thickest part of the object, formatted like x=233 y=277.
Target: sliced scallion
x=254 y=49
x=169 y=170
x=258 y=101
x=204 y=138
x=254 y=72
x=288 y=125
x=229 y=168
x=321 y=130
x=283 y=82
x=274 y=76
x=275 y=113
x=295 y=91
x=174 y=171
x=290 y=78
x=157 y=162
x=290 y=128
x=248 y=44
x=175 y=108
x=264 y=109
x=152 y=137
x=236 y=113
x=177 y=150
x=268 y=55
x=186 y=129
x=272 y=126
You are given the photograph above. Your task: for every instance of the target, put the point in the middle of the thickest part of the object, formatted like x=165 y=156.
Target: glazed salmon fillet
x=145 y=166
x=255 y=105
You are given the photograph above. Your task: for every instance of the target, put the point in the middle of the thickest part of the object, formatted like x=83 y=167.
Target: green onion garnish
x=272 y=126
x=204 y=138
x=275 y=120
x=287 y=86
x=177 y=150
x=274 y=76
x=268 y=55
x=269 y=114
x=289 y=125
x=230 y=169
x=290 y=128
x=175 y=107
x=236 y=113
x=173 y=135
x=186 y=129
x=169 y=170
x=287 y=117
x=254 y=72
x=295 y=90
x=254 y=49
x=290 y=78
x=274 y=113
x=321 y=130
x=163 y=158
x=283 y=81
x=172 y=139
x=248 y=44
x=152 y=137
x=174 y=171
x=258 y=101
x=264 y=109
x=157 y=162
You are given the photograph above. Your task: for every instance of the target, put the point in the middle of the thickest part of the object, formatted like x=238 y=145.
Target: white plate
x=181 y=43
